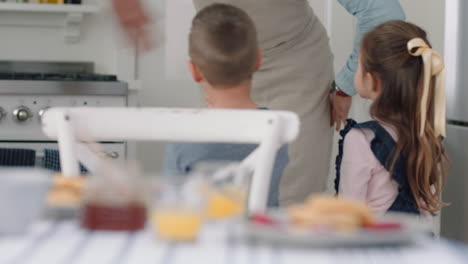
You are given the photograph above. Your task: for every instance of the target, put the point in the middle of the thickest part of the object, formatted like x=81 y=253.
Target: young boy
x=224 y=56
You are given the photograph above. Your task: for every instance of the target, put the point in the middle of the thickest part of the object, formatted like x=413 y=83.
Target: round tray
x=412 y=228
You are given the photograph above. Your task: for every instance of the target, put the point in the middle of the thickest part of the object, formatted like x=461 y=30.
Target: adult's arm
x=134 y=20
x=369 y=14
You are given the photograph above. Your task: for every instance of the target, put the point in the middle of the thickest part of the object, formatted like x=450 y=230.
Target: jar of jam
x=114 y=199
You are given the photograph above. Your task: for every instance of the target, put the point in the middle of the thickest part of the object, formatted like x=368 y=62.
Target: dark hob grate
x=75 y=77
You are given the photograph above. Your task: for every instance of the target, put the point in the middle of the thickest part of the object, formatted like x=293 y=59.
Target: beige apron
x=296 y=75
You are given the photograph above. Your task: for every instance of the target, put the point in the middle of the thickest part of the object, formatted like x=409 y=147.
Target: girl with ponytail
x=397 y=161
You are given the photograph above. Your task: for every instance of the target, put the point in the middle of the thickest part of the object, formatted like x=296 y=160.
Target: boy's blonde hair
x=223 y=45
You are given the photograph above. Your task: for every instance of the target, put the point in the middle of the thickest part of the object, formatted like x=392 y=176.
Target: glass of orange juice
x=225 y=202
x=225 y=189
x=177 y=209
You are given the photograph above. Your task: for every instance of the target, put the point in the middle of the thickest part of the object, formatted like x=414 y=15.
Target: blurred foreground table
x=65 y=242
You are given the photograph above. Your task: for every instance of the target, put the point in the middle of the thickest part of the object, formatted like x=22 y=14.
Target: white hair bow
x=433 y=66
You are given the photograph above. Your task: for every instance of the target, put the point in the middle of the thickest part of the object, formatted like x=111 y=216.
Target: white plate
x=412 y=228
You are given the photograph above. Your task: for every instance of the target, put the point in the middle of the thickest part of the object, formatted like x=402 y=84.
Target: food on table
x=66 y=191
x=177 y=224
x=331 y=212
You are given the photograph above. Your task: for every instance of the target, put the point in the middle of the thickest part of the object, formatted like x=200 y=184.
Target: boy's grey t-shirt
x=181 y=158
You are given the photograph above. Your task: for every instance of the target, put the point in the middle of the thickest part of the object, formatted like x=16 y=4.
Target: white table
x=64 y=242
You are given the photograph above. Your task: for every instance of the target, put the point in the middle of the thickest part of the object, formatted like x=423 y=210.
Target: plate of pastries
x=330 y=221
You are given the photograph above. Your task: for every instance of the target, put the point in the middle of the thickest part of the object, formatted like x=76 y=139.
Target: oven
x=29 y=89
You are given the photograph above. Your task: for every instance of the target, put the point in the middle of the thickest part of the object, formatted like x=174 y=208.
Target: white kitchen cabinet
x=68 y=17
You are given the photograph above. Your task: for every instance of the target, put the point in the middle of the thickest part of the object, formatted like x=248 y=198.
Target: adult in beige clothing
x=296 y=75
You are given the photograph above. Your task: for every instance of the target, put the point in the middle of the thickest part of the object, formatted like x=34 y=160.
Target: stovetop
x=27 y=78
x=73 y=77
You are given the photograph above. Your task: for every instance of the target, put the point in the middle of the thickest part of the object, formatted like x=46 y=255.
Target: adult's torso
x=277 y=21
